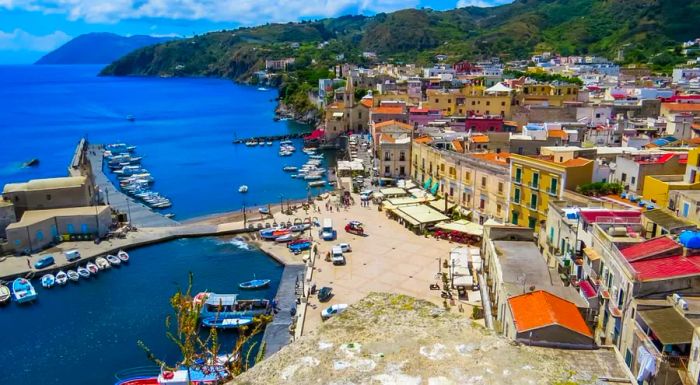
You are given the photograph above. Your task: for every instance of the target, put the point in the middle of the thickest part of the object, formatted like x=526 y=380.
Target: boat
x=290 y=168
x=102 y=263
x=262 y=89
x=296 y=246
x=243 y=189
x=226 y=323
x=300 y=227
x=130 y=118
x=317 y=183
x=48 y=280
x=254 y=284
x=114 y=261
x=61 y=278
x=5 y=294
x=83 y=272
x=229 y=306
x=73 y=276
x=23 y=291
x=285 y=153
x=316 y=156
x=284 y=238
x=284 y=142
x=92 y=268
x=313 y=177
x=31 y=163
x=123 y=256
x=269 y=143
x=251 y=143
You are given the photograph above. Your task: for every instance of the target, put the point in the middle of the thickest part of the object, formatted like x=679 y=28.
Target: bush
x=599 y=188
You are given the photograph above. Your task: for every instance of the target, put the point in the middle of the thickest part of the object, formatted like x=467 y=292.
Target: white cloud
x=239 y=11
x=20 y=40
x=481 y=3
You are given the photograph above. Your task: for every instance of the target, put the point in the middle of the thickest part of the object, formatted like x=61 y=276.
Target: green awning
x=435 y=187
x=427 y=183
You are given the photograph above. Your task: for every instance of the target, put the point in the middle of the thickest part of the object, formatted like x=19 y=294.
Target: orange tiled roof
x=379 y=126
x=458 y=146
x=561 y=134
x=367 y=102
x=423 y=140
x=387 y=138
x=682 y=107
x=387 y=110
x=500 y=159
x=540 y=309
x=480 y=139
x=576 y=162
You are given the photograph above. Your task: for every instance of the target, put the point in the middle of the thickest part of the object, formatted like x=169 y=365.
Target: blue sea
x=184 y=129
x=84 y=333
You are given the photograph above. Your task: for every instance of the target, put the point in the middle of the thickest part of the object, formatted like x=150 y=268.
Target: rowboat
x=254 y=284
x=73 y=276
x=123 y=256
x=102 y=263
x=284 y=238
x=61 y=278
x=23 y=291
x=48 y=280
x=83 y=272
x=226 y=323
x=114 y=261
x=92 y=268
x=5 y=294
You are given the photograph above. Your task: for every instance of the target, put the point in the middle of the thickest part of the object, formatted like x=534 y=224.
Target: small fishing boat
x=254 y=284
x=114 y=261
x=317 y=183
x=269 y=143
x=284 y=238
x=92 y=268
x=200 y=298
x=23 y=291
x=123 y=256
x=61 y=278
x=316 y=156
x=243 y=189
x=102 y=263
x=290 y=168
x=230 y=306
x=226 y=323
x=300 y=227
x=5 y=294
x=73 y=276
x=48 y=280
x=286 y=142
x=251 y=143
x=83 y=272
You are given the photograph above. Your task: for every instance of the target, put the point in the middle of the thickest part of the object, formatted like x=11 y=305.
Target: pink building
x=423 y=116
x=484 y=123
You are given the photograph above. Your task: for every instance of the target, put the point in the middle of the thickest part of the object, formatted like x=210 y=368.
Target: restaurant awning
x=434 y=189
x=462 y=226
x=405 y=217
x=427 y=183
x=440 y=205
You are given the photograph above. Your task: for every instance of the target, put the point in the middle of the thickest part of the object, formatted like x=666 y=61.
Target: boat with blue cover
x=254 y=284
x=229 y=306
x=226 y=323
x=48 y=280
x=23 y=291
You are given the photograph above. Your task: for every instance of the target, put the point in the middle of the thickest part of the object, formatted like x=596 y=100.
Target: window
x=535 y=180
x=531 y=222
x=498 y=208
x=48 y=197
x=39 y=235
x=483 y=181
x=516 y=195
x=467 y=176
x=503 y=103
x=386 y=156
x=518 y=174
x=482 y=203
x=402 y=156
x=473 y=103
x=488 y=103
x=533 y=201
x=623 y=177
x=514 y=218
x=387 y=170
x=84 y=228
x=632 y=180
x=449 y=100
x=402 y=170
x=500 y=187
x=452 y=192
x=553 y=186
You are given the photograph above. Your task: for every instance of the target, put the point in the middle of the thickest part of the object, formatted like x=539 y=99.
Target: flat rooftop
x=32 y=217
x=45 y=184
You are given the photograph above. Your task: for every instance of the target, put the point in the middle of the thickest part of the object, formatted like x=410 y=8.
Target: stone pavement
x=277 y=333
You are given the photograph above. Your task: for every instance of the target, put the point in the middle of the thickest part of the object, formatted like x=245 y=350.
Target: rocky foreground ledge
x=393 y=339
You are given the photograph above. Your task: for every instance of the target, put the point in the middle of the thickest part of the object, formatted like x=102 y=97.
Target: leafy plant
x=599 y=188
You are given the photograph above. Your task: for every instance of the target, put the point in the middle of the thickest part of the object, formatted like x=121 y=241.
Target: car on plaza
x=333 y=310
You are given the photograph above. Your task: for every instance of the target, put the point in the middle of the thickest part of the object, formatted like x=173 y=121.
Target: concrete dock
x=277 y=333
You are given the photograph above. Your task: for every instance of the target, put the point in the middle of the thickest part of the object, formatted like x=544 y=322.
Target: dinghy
x=243 y=189
x=123 y=256
x=48 y=280
x=92 y=268
x=102 y=263
x=23 y=291
x=61 y=278
x=83 y=272
x=254 y=284
x=114 y=261
x=73 y=276
x=284 y=238
x=226 y=323
x=5 y=294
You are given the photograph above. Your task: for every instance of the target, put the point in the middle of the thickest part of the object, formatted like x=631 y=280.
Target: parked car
x=337 y=256
x=333 y=310
x=345 y=247
x=72 y=255
x=44 y=262
x=325 y=294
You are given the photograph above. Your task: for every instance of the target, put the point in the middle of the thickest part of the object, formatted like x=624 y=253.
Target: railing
x=137 y=372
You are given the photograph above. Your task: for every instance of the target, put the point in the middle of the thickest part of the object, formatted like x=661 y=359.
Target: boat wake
x=239 y=243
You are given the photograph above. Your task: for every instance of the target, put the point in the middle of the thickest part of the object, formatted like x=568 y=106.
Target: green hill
x=98 y=48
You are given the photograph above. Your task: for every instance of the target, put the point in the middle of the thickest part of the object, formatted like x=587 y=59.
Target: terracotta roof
x=480 y=139
x=458 y=146
x=682 y=107
x=500 y=159
x=423 y=140
x=576 y=162
x=387 y=110
x=379 y=126
x=650 y=248
x=367 y=102
x=561 y=134
x=541 y=309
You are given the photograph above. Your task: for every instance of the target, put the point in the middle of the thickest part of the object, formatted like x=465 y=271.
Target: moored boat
x=290 y=168
x=317 y=183
x=102 y=263
x=92 y=268
x=23 y=291
x=114 y=261
x=48 y=280
x=61 y=278
x=284 y=238
x=226 y=323
x=254 y=284
x=5 y=294
x=243 y=189
x=123 y=256
x=300 y=227
x=229 y=306
x=83 y=272
x=72 y=275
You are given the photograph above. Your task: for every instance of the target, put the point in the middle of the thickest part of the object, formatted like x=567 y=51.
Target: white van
x=72 y=255
x=337 y=256
x=327 y=233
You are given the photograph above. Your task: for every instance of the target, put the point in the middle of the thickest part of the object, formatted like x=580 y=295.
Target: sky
x=31 y=28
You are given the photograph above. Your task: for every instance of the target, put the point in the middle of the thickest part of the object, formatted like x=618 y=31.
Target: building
x=395 y=155
x=422 y=116
x=554 y=94
x=345 y=114
x=537 y=179
x=278 y=65
x=631 y=170
x=476 y=123
x=38 y=229
x=657 y=188
x=7 y=216
x=40 y=194
x=686 y=204
x=543 y=319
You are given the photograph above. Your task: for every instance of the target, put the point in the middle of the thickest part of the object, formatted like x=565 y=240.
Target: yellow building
x=537 y=179
x=443 y=100
x=477 y=183
x=470 y=100
x=551 y=94
x=659 y=188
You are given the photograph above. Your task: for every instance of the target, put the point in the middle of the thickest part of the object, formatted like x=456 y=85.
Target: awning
x=462 y=226
x=440 y=205
x=669 y=326
x=587 y=289
x=427 y=183
x=591 y=253
x=316 y=134
x=434 y=189
x=405 y=217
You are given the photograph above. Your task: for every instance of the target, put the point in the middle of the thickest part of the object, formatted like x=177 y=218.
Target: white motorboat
x=313 y=177
x=83 y=272
x=285 y=238
x=92 y=268
x=102 y=263
x=269 y=143
x=114 y=261
x=251 y=143
x=243 y=189
x=123 y=256
x=73 y=276
x=317 y=156
x=290 y=168
x=61 y=278
x=300 y=227
x=317 y=183
x=5 y=294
